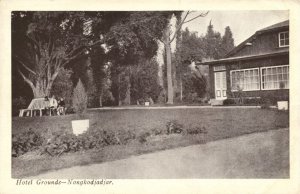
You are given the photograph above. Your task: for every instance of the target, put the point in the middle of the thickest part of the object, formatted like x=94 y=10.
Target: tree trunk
x=40 y=90
x=169 y=74
x=119 y=90
x=181 y=88
x=100 y=100
x=127 y=100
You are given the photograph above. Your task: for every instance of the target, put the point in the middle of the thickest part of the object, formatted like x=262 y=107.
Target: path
x=259 y=155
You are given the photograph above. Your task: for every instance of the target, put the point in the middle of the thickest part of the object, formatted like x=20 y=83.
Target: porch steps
x=215 y=102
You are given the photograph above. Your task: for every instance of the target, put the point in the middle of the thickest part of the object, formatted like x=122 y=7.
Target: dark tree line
x=192 y=83
x=111 y=52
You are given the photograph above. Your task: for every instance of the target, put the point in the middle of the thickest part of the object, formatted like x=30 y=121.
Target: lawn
x=219 y=123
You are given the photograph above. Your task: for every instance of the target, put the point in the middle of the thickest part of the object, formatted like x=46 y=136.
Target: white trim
x=268 y=67
x=222 y=68
x=221 y=89
x=237 y=70
x=281 y=46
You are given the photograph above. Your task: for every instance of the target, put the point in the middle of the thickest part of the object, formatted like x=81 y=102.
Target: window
x=284 y=39
x=245 y=79
x=219 y=68
x=273 y=78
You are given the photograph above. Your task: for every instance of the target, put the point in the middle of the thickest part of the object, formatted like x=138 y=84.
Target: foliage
x=101 y=75
x=190 y=47
x=134 y=40
x=192 y=83
x=25 y=142
x=227 y=43
x=58 y=143
x=216 y=46
x=174 y=127
x=52 y=41
x=196 y=130
x=79 y=98
x=135 y=35
x=212 y=43
x=64 y=143
x=63 y=86
x=144 y=83
x=142 y=138
x=17 y=104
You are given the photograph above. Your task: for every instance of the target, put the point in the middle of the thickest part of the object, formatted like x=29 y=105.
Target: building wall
x=262 y=43
x=265 y=62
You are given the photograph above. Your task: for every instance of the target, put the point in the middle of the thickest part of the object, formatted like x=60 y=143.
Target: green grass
x=220 y=123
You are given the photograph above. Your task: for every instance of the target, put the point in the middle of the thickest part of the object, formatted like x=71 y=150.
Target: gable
x=263 y=41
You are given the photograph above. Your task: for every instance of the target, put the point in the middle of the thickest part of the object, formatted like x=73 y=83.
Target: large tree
x=227 y=43
x=167 y=38
x=193 y=82
x=189 y=48
x=50 y=41
x=212 y=43
x=132 y=39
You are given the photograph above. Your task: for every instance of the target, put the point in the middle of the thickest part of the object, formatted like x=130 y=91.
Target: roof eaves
x=241 y=58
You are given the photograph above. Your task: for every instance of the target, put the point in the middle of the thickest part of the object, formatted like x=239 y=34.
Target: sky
x=243 y=24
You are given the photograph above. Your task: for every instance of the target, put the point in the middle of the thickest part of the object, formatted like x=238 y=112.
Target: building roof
x=224 y=61
x=273 y=27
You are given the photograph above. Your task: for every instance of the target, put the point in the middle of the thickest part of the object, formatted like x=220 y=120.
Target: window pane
x=281 y=35
x=277 y=79
x=245 y=79
x=284 y=77
x=279 y=69
x=284 y=69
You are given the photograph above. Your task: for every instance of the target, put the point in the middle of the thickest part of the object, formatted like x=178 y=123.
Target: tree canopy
x=116 y=49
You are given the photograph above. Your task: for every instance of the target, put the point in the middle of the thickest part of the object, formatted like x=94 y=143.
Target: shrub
x=80 y=98
x=253 y=101
x=25 y=142
x=245 y=101
x=64 y=143
x=58 y=143
x=174 y=127
x=125 y=136
x=196 y=130
x=228 y=101
x=156 y=131
x=142 y=138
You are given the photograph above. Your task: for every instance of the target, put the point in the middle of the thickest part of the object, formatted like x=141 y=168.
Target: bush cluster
x=64 y=143
x=57 y=143
x=265 y=101
x=196 y=130
x=244 y=101
x=174 y=127
x=25 y=142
